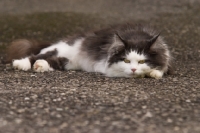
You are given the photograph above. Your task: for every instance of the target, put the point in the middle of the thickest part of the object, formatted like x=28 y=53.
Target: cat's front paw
x=41 y=66
x=22 y=64
x=156 y=74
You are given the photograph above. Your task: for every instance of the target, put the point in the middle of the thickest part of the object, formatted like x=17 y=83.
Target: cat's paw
x=22 y=64
x=41 y=66
x=156 y=74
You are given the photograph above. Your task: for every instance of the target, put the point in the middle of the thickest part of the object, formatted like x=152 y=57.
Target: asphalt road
x=81 y=102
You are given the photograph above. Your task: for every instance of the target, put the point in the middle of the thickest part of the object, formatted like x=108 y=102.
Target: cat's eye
x=127 y=61
x=141 y=61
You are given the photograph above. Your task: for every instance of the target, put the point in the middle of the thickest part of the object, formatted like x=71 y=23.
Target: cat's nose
x=133 y=70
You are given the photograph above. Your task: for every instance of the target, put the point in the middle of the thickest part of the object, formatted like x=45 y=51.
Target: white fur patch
x=89 y=65
x=41 y=66
x=100 y=66
x=22 y=64
x=134 y=56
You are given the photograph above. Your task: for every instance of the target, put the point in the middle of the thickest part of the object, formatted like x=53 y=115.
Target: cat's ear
x=120 y=39
x=152 y=41
x=117 y=45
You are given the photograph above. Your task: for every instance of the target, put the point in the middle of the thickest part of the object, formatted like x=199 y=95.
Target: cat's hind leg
x=26 y=63
x=41 y=62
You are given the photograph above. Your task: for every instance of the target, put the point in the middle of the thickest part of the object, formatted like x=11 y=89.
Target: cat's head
x=136 y=57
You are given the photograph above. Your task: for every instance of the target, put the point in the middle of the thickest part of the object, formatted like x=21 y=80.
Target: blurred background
x=33 y=17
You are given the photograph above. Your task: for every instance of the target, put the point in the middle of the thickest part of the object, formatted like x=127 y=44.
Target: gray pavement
x=81 y=102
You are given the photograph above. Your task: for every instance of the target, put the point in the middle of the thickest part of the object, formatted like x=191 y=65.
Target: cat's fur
x=120 y=51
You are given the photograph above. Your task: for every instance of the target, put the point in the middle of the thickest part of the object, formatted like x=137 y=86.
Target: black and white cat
x=120 y=51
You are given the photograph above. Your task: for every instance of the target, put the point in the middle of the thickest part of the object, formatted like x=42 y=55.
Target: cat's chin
x=140 y=76
x=136 y=75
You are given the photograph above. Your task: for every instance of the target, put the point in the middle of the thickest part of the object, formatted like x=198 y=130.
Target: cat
x=127 y=50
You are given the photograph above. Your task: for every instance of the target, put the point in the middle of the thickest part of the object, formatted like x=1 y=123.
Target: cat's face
x=132 y=64
x=135 y=58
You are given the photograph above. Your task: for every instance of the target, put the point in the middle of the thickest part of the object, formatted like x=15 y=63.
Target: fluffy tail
x=23 y=47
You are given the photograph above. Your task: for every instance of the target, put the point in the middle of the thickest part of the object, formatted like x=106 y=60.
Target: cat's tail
x=22 y=48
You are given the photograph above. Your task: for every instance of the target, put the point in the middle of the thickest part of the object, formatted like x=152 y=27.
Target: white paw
x=42 y=66
x=156 y=74
x=22 y=64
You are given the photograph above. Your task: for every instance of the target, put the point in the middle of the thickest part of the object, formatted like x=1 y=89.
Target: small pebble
x=33 y=76
x=176 y=128
x=18 y=121
x=169 y=120
x=149 y=114
x=59 y=109
x=188 y=100
x=26 y=98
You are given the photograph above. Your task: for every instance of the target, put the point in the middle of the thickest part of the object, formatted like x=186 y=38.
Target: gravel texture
x=81 y=102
